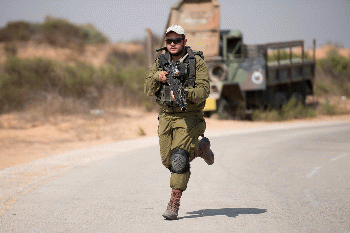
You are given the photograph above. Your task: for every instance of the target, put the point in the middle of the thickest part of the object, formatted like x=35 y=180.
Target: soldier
x=178 y=130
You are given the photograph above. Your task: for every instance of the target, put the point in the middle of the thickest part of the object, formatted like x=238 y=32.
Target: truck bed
x=286 y=62
x=287 y=71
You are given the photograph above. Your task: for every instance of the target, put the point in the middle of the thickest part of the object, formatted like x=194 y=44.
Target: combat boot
x=172 y=210
x=204 y=151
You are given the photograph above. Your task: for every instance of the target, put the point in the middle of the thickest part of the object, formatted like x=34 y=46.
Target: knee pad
x=180 y=161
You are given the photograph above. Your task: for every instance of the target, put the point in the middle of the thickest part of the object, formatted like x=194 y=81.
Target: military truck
x=243 y=77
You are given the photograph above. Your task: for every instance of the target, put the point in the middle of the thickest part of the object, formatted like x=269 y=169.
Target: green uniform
x=179 y=129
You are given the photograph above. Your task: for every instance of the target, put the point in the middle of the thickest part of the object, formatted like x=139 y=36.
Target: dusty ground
x=23 y=139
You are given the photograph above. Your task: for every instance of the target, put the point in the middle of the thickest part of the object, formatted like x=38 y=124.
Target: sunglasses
x=173 y=40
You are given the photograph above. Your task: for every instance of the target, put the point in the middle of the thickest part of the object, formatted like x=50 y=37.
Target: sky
x=261 y=21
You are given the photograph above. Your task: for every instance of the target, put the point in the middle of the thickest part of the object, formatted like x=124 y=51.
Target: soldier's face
x=174 y=43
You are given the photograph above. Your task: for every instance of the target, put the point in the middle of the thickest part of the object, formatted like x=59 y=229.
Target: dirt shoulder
x=23 y=140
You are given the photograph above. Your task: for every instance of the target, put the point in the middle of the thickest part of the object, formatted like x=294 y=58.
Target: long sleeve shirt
x=196 y=95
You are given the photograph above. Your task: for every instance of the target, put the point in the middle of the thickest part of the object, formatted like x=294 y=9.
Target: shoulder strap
x=192 y=62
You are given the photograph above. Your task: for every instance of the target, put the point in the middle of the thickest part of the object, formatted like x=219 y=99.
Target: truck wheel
x=217 y=72
x=279 y=100
x=207 y=114
x=224 y=109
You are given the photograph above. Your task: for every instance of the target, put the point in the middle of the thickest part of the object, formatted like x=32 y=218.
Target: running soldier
x=179 y=128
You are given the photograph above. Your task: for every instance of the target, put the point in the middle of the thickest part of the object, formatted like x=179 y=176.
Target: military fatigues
x=178 y=129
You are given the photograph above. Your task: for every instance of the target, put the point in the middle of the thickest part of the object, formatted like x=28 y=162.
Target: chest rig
x=187 y=68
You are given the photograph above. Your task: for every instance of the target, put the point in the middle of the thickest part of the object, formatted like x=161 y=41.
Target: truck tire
x=217 y=72
x=224 y=109
x=279 y=100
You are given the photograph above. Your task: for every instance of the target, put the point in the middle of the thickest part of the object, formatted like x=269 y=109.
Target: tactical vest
x=187 y=68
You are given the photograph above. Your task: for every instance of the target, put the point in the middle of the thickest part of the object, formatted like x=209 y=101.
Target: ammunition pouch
x=187 y=76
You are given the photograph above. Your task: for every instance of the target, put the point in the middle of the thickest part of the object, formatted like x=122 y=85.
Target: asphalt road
x=280 y=178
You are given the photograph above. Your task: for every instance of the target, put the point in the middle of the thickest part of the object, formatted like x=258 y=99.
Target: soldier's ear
x=185 y=40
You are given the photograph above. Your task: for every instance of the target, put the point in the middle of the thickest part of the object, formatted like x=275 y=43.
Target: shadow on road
x=229 y=212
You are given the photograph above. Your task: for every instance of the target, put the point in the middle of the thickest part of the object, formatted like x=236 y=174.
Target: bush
x=61 y=33
x=336 y=64
x=123 y=58
x=332 y=109
x=54 y=31
x=337 y=67
x=322 y=88
x=17 y=30
x=266 y=115
x=23 y=81
x=91 y=35
x=23 y=78
x=293 y=109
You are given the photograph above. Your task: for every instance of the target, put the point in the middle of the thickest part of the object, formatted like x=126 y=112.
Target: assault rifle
x=173 y=80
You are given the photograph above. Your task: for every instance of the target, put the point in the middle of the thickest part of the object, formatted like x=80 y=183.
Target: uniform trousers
x=179 y=130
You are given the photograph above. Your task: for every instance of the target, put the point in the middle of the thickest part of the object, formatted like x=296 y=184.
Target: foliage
x=337 y=67
x=293 y=109
x=124 y=58
x=16 y=30
x=61 y=33
x=92 y=35
x=336 y=64
x=321 y=88
x=331 y=109
x=26 y=80
x=54 y=31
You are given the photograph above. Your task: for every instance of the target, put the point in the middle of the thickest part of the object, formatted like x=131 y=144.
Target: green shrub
x=77 y=79
x=91 y=35
x=294 y=109
x=290 y=110
x=337 y=67
x=266 y=115
x=23 y=78
x=322 y=88
x=54 y=31
x=16 y=30
x=61 y=33
x=335 y=64
x=27 y=80
x=331 y=109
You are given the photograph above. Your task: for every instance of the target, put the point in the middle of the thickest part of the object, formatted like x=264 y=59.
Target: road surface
x=288 y=177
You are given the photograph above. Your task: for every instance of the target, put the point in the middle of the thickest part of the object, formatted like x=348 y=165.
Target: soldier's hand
x=172 y=95
x=162 y=76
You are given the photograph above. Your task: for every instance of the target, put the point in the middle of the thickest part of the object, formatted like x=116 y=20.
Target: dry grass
x=95 y=54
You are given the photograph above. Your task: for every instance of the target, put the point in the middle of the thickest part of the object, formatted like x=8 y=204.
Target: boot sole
x=169 y=217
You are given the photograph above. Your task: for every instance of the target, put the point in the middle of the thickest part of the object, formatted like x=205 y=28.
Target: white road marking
x=313 y=172
x=338 y=157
